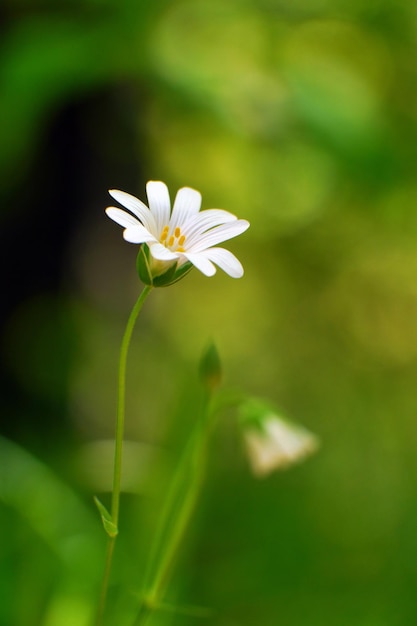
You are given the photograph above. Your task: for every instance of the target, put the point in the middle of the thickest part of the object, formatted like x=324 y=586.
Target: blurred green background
x=300 y=116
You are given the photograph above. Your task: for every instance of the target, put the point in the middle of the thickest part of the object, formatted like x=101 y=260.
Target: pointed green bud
x=159 y=273
x=108 y=524
x=210 y=368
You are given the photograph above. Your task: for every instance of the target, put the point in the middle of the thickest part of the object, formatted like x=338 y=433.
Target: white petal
x=159 y=203
x=201 y=263
x=187 y=203
x=279 y=445
x=137 y=207
x=121 y=217
x=162 y=253
x=294 y=441
x=216 y=235
x=205 y=220
x=138 y=234
x=263 y=457
x=225 y=260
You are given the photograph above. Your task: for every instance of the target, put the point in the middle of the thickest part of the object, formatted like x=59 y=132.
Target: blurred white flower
x=276 y=443
x=182 y=235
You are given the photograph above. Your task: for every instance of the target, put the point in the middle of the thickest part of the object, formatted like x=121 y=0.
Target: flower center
x=174 y=242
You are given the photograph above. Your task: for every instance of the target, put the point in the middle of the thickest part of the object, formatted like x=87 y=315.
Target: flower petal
x=162 y=253
x=203 y=264
x=216 y=235
x=137 y=234
x=159 y=203
x=137 y=207
x=294 y=441
x=225 y=260
x=205 y=220
x=279 y=444
x=121 y=217
x=187 y=203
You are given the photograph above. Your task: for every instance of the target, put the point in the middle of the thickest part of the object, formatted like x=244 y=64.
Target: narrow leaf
x=109 y=526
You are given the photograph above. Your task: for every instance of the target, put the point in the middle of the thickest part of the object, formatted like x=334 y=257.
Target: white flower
x=276 y=444
x=183 y=235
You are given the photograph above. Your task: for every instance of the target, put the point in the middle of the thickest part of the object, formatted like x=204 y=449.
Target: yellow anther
x=171 y=240
x=181 y=240
x=164 y=233
x=180 y=249
x=177 y=231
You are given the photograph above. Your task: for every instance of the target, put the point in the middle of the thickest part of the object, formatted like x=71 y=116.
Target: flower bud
x=273 y=442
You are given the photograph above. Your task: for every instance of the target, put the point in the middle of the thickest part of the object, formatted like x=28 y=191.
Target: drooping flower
x=272 y=442
x=182 y=236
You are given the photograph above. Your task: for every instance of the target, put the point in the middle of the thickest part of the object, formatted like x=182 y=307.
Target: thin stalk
x=121 y=402
x=117 y=471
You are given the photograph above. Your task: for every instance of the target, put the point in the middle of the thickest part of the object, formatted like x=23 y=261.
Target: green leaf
x=109 y=526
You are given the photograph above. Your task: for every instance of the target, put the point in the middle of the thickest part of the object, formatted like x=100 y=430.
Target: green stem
x=191 y=469
x=120 y=421
x=106 y=579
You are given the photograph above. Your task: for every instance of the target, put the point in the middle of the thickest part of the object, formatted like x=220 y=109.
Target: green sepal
x=108 y=524
x=210 y=367
x=165 y=279
x=143 y=266
x=177 y=275
x=254 y=412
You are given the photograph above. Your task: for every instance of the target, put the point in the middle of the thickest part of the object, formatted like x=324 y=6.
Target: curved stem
x=120 y=421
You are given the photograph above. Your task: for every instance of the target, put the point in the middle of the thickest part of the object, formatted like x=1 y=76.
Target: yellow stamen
x=164 y=233
x=177 y=232
x=171 y=240
x=181 y=241
x=180 y=249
